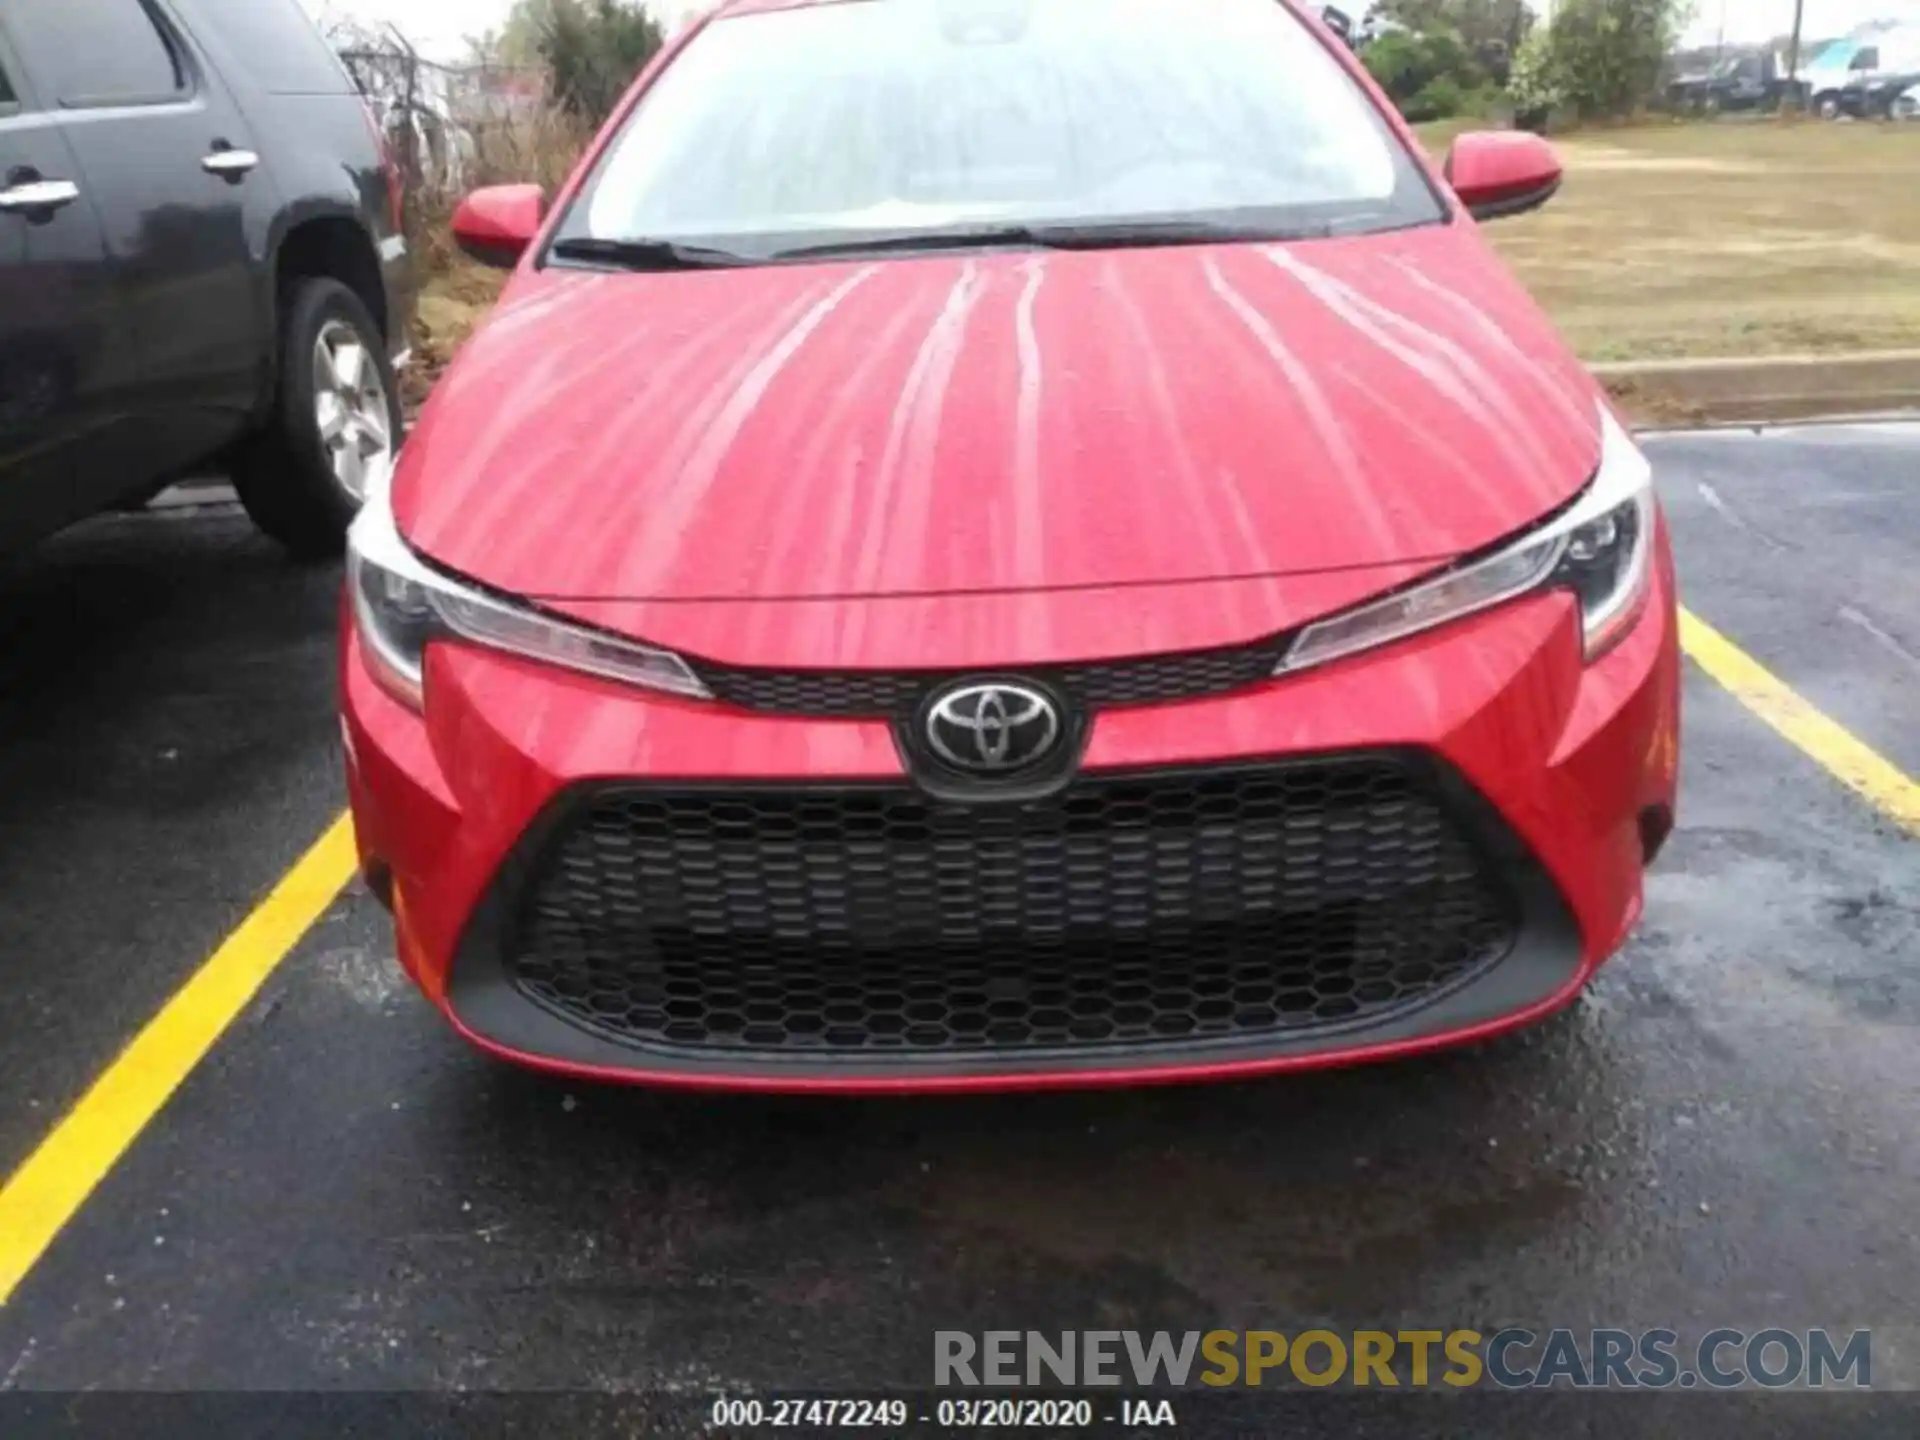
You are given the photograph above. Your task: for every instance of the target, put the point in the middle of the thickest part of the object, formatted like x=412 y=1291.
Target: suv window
x=95 y=52
x=1867 y=59
x=7 y=97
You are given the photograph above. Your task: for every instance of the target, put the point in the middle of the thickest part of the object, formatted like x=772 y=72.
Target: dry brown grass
x=1735 y=238
x=455 y=293
x=454 y=298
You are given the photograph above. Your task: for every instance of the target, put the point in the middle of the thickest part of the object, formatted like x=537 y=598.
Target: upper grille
x=1130 y=911
x=1098 y=685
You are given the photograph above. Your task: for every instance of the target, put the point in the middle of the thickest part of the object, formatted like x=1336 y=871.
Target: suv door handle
x=230 y=165
x=38 y=195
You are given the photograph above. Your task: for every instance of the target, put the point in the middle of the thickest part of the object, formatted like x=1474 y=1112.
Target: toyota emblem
x=993 y=728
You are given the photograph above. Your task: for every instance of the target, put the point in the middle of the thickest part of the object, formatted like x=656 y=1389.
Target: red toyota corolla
x=1009 y=543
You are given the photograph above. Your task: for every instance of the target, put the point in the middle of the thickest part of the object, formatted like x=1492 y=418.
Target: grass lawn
x=1728 y=239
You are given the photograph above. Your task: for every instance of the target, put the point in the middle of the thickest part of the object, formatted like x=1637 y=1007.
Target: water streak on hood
x=998 y=423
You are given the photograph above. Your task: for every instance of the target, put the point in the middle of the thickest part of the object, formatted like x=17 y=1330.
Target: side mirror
x=495 y=225
x=1497 y=173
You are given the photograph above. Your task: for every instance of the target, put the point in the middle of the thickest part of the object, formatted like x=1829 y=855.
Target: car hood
x=998 y=422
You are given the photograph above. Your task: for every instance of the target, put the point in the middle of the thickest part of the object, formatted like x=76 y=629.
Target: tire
x=1827 y=106
x=296 y=483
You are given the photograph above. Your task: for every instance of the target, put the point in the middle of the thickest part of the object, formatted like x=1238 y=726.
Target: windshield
x=823 y=123
x=1833 y=56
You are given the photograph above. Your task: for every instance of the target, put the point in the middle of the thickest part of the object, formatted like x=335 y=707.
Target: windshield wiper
x=1122 y=234
x=643 y=254
x=1098 y=235
x=909 y=240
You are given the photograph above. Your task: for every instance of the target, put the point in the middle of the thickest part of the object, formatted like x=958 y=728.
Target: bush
x=540 y=145
x=1398 y=63
x=1405 y=64
x=1534 y=86
x=1439 y=99
x=1430 y=77
x=1489 y=29
x=1607 y=56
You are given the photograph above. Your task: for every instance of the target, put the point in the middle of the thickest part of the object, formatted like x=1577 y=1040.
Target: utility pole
x=1793 y=47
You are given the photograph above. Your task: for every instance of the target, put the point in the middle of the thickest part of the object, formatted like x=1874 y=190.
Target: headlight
x=400 y=605
x=1600 y=548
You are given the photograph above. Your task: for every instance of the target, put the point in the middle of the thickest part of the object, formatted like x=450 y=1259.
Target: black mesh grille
x=1097 y=685
x=1140 y=911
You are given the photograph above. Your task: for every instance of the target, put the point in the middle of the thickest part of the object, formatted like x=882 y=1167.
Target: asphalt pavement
x=344 y=1197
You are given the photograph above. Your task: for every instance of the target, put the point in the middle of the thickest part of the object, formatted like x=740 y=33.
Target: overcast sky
x=438 y=25
x=1761 y=19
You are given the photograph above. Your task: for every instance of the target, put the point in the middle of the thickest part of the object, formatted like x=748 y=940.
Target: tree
x=592 y=49
x=1534 y=86
x=1428 y=75
x=1476 y=22
x=1608 y=55
x=1406 y=64
x=517 y=42
x=1491 y=30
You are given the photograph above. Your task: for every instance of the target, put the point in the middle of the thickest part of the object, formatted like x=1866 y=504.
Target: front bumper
x=1560 y=775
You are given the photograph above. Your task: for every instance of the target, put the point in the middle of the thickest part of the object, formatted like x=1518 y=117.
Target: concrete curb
x=1772 y=388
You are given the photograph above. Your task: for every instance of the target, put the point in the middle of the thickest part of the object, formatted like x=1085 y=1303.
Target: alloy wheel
x=350 y=410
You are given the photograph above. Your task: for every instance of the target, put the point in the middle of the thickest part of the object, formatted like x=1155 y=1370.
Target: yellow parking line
x=1853 y=762
x=55 y=1181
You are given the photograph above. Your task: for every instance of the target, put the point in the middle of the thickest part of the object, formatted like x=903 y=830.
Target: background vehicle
x=1876 y=97
x=1906 y=105
x=1755 y=81
x=200 y=264
x=1824 y=78
x=1863 y=78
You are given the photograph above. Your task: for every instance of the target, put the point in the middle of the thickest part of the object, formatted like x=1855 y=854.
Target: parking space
x=165 y=753
x=343 y=1195
x=1801 y=544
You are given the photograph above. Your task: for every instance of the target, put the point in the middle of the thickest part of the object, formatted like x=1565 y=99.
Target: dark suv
x=201 y=264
